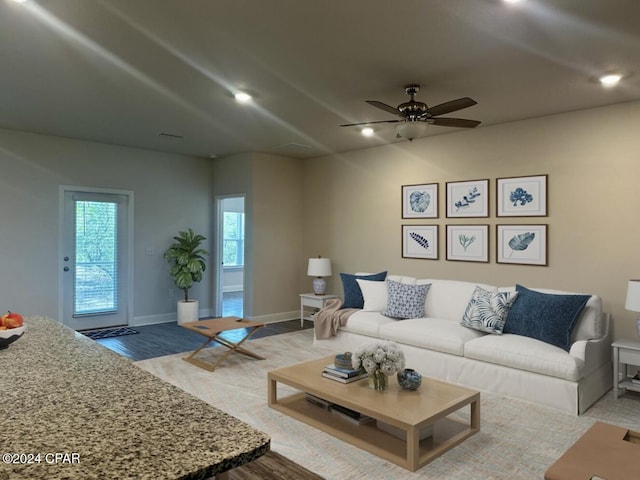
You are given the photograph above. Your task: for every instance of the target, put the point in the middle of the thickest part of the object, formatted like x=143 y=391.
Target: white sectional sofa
x=439 y=346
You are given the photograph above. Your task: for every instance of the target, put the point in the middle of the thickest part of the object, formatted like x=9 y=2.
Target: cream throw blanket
x=327 y=321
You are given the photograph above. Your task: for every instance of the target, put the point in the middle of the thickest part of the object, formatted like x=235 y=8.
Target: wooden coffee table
x=409 y=411
x=212 y=330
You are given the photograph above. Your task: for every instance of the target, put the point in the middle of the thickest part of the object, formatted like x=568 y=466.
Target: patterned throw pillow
x=405 y=301
x=487 y=311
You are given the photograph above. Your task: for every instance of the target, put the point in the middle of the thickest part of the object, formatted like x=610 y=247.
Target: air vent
x=170 y=135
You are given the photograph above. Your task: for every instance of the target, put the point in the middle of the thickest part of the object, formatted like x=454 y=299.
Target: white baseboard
x=164 y=318
x=276 y=317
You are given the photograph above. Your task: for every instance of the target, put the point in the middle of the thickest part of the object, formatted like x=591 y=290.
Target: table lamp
x=319 y=267
x=633 y=299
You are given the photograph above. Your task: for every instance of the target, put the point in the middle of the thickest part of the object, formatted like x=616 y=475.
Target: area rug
x=109 y=332
x=518 y=440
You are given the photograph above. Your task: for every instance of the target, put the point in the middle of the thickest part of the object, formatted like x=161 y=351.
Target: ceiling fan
x=415 y=116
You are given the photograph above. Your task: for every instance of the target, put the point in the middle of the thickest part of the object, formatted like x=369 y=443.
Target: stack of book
x=343 y=375
x=344 y=413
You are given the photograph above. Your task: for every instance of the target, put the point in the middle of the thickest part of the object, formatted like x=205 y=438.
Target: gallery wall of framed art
x=515 y=243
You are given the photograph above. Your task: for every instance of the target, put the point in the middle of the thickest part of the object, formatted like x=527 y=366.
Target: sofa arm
x=596 y=352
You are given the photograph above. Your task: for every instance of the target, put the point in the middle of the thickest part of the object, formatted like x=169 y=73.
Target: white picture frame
x=420 y=200
x=521 y=196
x=468 y=199
x=522 y=244
x=468 y=243
x=420 y=241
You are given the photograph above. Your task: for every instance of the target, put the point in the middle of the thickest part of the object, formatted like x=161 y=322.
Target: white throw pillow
x=374 y=294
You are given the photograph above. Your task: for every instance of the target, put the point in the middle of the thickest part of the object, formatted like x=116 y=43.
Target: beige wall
x=277 y=233
x=273 y=235
x=353 y=202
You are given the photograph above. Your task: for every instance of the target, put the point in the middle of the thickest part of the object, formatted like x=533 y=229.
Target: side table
x=311 y=300
x=626 y=352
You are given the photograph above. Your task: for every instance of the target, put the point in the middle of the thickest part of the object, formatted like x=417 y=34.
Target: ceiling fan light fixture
x=411 y=130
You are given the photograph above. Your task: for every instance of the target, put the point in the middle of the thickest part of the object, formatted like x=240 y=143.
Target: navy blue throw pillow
x=352 y=294
x=549 y=318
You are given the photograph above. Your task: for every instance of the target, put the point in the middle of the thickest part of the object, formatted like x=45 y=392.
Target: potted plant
x=188 y=261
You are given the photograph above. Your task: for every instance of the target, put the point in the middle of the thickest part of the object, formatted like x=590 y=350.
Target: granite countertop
x=62 y=393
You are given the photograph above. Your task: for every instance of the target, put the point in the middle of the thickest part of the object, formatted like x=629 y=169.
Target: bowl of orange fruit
x=11 y=328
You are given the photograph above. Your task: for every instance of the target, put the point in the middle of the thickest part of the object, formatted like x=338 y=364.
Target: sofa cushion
x=405 y=301
x=366 y=323
x=449 y=298
x=590 y=323
x=437 y=334
x=523 y=353
x=352 y=293
x=374 y=294
x=487 y=311
x=546 y=317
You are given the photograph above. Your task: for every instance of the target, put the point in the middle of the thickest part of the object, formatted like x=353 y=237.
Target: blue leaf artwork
x=423 y=242
x=520 y=196
x=419 y=201
x=521 y=241
x=468 y=199
x=466 y=240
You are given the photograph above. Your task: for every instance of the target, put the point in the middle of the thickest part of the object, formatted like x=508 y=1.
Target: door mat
x=109 y=332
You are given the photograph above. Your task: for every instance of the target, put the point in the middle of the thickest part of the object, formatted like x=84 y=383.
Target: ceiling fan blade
x=385 y=107
x=370 y=123
x=454 y=122
x=451 y=106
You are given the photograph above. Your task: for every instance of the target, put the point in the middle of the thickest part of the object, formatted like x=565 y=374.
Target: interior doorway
x=230 y=253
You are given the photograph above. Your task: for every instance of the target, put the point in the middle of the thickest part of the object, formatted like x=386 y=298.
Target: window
x=233 y=239
x=96 y=251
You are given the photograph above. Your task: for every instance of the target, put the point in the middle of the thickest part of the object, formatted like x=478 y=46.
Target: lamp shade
x=319 y=267
x=412 y=129
x=633 y=296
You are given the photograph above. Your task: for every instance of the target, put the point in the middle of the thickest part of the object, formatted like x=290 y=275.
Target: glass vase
x=378 y=380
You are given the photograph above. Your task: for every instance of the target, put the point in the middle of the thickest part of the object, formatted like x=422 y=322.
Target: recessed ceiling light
x=242 y=97
x=610 y=79
x=367 y=132
x=512 y=1
x=20 y=1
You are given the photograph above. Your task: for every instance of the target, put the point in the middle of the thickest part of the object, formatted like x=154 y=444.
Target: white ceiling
x=123 y=71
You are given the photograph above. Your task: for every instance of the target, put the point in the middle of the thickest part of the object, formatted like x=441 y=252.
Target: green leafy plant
x=187 y=260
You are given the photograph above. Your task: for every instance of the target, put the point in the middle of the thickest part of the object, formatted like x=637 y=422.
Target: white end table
x=311 y=300
x=626 y=352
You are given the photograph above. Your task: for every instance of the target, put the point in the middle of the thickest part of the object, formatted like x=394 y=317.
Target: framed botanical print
x=522 y=244
x=420 y=201
x=468 y=199
x=522 y=196
x=468 y=243
x=420 y=241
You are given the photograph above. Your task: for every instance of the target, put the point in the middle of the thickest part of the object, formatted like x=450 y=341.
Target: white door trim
x=63 y=189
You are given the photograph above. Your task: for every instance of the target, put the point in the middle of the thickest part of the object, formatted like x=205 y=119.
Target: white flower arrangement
x=384 y=356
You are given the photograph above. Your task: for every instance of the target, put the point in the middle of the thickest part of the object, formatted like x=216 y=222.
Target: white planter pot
x=187 y=311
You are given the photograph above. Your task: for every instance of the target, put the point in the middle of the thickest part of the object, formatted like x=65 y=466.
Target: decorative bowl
x=343 y=360
x=409 y=379
x=10 y=335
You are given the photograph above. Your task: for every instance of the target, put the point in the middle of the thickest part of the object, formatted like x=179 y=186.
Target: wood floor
x=169 y=338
